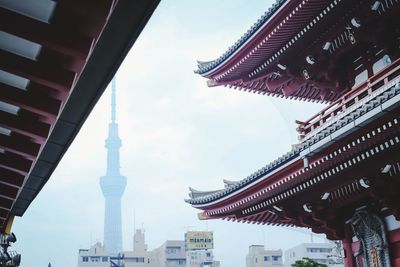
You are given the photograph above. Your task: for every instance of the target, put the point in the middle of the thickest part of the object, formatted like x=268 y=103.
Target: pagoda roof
x=205 y=66
x=57 y=58
x=310 y=50
x=341 y=52
x=387 y=97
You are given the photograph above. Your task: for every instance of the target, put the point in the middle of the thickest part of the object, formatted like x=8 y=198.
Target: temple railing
x=353 y=99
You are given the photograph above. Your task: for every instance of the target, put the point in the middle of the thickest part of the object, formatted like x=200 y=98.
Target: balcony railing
x=353 y=99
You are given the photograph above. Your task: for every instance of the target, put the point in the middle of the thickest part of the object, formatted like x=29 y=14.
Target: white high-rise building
x=258 y=256
x=96 y=256
x=319 y=252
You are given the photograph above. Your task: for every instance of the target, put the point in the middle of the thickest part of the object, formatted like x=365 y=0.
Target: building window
x=85 y=259
x=173 y=262
x=266 y=258
x=173 y=250
x=94 y=259
x=322 y=261
x=319 y=250
x=138 y=259
x=276 y=258
x=103 y=259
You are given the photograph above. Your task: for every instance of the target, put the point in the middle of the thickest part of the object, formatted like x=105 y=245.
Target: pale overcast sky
x=176 y=132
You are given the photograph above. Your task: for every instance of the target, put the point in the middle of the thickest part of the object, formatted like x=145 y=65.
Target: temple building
x=343 y=177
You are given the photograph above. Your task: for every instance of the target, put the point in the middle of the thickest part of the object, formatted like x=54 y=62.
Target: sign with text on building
x=199 y=240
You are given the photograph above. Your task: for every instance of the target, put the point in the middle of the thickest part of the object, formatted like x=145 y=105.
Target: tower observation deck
x=113 y=185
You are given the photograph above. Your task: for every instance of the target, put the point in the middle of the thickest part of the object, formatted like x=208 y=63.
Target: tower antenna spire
x=113 y=100
x=113 y=184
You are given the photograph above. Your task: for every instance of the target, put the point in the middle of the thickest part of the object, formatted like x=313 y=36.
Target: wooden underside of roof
x=80 y=48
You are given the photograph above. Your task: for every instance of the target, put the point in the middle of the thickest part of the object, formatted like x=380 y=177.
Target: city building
x=200 y=258
x=99 y=256
x=140 y=256
x=258 y=256
x=319 y=252
x=199 y=249
x=113 y=184
x=342 y=178
x=171 y=254
x=96 y=256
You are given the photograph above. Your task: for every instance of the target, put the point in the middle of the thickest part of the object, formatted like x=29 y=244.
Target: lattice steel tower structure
x=113 y=185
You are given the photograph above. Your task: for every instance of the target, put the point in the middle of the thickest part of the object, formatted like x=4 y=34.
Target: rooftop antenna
x=312 y=237
x=187 y=227
x=134 y=222
x=265 y=242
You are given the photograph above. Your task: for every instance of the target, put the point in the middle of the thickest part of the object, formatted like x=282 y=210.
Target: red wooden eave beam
x=11 y=177
x=8 y=191
x=86 y=17
x=55 y=58
x=25 y=124
x=15 y=163
x=69 y=42
x=5 y=202
x=19 y=145
x=48 y=75
x=3 y=213
x=40 y=104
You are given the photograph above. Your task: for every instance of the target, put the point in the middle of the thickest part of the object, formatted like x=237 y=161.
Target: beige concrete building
x=171 y=254
x=140 y=256
x=258 y=256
